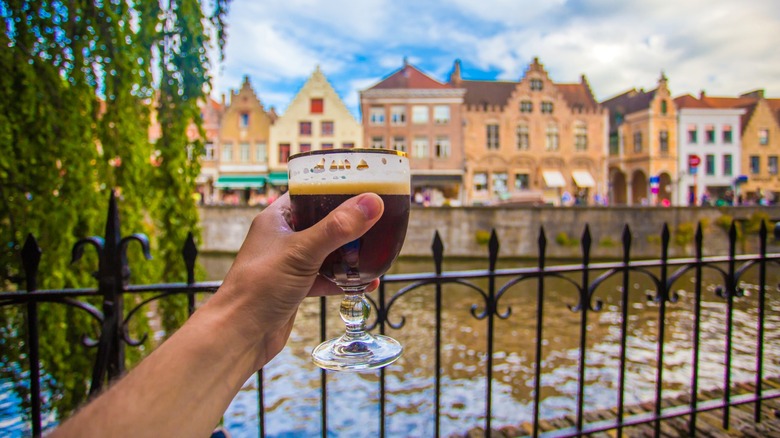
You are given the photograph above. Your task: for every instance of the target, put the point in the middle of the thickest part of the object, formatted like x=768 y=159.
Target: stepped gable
x=409 y=76
x=579 y=96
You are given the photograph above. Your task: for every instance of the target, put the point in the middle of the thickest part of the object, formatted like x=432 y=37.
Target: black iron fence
x=490 y=285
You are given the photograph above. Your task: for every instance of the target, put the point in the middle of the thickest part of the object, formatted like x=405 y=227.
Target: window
x=480 y=181
x=580 y=136
x=547 y=107
x=499 y=181
x=262 y=152
x=727 y=165
x=492 y=136
x=243 y=120
x=377 y=142
x=442 y=147
x=284 y=152
x=227 y=152
x=420 y=147
x=728 y=137
x=614 y=145
x=398 y=115
x=693 y=134
x=326 y=146
x=244 y=151
x=709 y=134
x=376 y=115
x=526 y=106
x=536 y=84
x=317 y=105
x=521 y=181
x=305 y=128
x=551 y=143
x=419 y=114
x=305 y=147
x=348 y=145
x=664 y=107
x=441 y=114
x=208 y=152
x=755 y=164
x=523 y=140
x=763 y=137
x=709 y=164
x=326 y=128
x=772 y=164
x=638 y=141
x=399 y=143
x=663 y=141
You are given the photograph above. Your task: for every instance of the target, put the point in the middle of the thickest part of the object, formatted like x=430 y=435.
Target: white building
x=316 y=119
x=711 y=137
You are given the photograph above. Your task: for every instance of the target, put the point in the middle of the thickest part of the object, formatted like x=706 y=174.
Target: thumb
x=346 y=223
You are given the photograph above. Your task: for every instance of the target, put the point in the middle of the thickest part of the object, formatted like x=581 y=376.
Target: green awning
x=240 y=181
x=277 y=178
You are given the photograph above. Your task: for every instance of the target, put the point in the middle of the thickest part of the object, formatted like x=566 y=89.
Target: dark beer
x=370 y=256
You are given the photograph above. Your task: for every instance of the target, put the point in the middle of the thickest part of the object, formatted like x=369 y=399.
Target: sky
x=724 y=47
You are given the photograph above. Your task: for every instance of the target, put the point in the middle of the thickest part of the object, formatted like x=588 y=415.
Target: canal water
x=292 y=383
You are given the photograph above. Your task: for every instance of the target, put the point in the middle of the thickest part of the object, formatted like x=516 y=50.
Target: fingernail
x=371 y=206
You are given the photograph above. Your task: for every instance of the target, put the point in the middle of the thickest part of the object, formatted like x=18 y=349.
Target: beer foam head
x=349 y=171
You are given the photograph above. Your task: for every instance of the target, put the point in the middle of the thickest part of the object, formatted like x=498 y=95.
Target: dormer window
x=317 y=106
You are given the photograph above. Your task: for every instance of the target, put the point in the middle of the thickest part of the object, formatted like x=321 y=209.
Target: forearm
x=183 y=387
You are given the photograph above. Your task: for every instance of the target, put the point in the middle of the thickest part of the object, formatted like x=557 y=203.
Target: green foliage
x=483 y=237
x=607 y=242
x=753 y=224
x=684 y=234
x=76 y=95
x=563 y=239
x=653 y=239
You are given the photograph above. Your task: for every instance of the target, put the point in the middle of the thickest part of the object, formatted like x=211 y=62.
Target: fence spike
x=31 y=258
x=626 y=243
x=699 y=238
x=493 y=247
x=586 y=244
x=438 y=251
x=190 y=254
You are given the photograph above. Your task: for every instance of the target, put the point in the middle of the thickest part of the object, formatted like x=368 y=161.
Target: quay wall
x=465 y=230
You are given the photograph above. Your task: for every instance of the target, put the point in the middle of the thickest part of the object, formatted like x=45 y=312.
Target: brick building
x=533 y=140
x=642 y=146
x=412 y=112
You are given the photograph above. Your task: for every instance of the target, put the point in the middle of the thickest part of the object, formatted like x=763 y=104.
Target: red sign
x=694 y=160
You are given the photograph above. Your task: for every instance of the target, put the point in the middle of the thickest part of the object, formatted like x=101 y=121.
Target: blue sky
x=725 y=47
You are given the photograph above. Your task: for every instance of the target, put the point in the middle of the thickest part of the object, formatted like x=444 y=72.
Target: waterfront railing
x=491 y=287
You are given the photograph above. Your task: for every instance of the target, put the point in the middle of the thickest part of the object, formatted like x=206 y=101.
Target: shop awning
x=240 y=181
x=583 y=178
x=553 y=178
x=277 y=178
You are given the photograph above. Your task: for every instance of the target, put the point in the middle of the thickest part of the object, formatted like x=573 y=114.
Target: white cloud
x=723 y=46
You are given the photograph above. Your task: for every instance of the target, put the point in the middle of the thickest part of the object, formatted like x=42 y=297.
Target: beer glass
x=319 y=181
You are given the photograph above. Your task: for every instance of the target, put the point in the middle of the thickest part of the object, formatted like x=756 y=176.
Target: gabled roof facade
x=409 y=77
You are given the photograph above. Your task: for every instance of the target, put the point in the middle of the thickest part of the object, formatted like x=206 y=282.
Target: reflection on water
x=292 y=382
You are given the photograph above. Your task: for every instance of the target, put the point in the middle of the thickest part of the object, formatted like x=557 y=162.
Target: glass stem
x=354 y=311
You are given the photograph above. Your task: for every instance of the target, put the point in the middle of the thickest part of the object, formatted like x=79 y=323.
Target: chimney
x=455 y=76
x=702 y=95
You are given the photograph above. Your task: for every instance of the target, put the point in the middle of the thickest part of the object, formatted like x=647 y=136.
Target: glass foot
x=355 y=353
